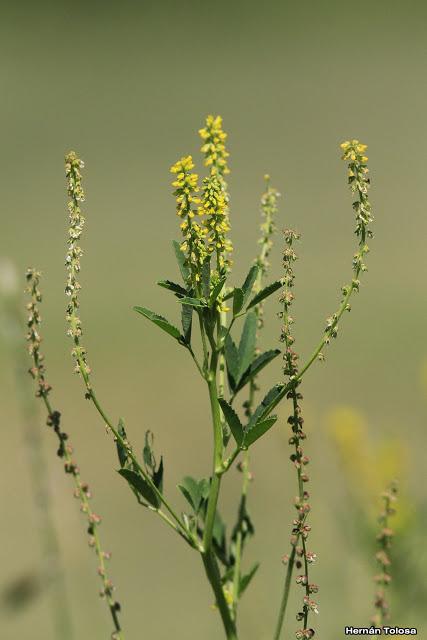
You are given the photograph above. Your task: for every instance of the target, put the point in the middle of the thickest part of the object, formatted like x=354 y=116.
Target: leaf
x=264 y=293
x=232 y=360
x=206 y=278
x=248 y=284
x=263 y=408
x=229 y=295
x=237 y=301
x=246 y=579
x=193 y=302
x=172 y=286
x=218 y=531
x=257 y=365
x=195 y=492
x=232 y=421
x=160 y=321
x=121 y=451
x=258 y=429
x=216 y=291
x=187 y=321
x=158 y=476
x=180 y=257
x=247 y=344
x=147 y=452
x=141 y=486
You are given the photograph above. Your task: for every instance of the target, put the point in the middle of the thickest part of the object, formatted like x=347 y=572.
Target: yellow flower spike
x=186 y=186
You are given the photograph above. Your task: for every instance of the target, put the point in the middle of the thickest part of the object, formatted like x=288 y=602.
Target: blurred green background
x=127 y=85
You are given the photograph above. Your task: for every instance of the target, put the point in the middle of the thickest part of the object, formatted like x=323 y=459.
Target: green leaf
x=193 y=302
x=232 y=420
x=229 y=294
x=248 y=284
x=180 y=257
x=158 y=476
x=218 y=531
x=160 y=321
x=206 y=278
x=247 y=344
x=246 y=579
x=264 y=293
x=258 y=429
x=263 y=409
x=237 y=301
x=257 y=365
x=216 y=291
x=195 y=492
x=141 y=486
x=172 y=286
x=187 y=321
x=147 y=452
x=232 y=360
x=121 y=451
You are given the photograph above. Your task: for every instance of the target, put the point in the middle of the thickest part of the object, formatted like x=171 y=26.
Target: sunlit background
x=127 y=85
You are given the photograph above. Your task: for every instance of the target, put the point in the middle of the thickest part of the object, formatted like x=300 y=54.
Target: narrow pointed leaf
x=257 y=365
x=121 y=451
x=247 y=344
x=249 y=283
x=194 y=491
x=216 y=291
x=265 y=406
x=160 y=321
x=237 y=301
x=193 y=302
x=158 y=476
x=180 y=257
x=258 y=430
x=233 y=421
x=141 y=486
x=246 y=579
x=172 y=286
x=206 y=278
x=264 y=293
x=232 y=358
x=187 y=321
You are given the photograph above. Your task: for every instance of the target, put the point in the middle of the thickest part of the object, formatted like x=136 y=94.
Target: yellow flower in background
x=423 y=375
x=368 y=468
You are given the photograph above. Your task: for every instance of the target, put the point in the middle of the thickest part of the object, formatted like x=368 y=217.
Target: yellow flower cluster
x=215 y=198
x=194 y=233
x=214 y=145
x=216 y=223
x=354 y=151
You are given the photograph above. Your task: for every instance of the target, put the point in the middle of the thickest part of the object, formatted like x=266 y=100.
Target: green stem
x=125 y=445
x=119 y=635
x=285 y=595
x=239 y=538
x=214 y=577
